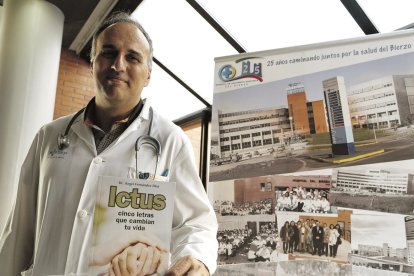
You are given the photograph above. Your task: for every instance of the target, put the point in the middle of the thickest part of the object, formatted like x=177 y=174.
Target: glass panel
x=168 y=97
x=388 y=16
x=263 y=25
x=184 y=42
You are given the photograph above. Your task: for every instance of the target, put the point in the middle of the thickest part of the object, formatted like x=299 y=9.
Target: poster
x=315 y=137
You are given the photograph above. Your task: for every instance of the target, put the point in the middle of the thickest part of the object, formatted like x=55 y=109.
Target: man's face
x=120 y=66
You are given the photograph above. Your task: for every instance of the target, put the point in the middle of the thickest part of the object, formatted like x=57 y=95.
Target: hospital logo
x=243 y=68
x=56 y=154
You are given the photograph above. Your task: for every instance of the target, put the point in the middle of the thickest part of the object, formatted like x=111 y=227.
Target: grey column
x=30 y=45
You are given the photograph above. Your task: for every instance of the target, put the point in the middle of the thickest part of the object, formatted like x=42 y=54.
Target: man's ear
x=148 y=77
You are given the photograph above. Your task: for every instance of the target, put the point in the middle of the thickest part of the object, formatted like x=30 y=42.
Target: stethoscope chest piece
x=63 y=141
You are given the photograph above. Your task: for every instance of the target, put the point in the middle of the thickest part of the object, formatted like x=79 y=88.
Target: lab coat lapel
x=84 y=133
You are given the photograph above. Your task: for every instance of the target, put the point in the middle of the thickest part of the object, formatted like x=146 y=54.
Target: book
x=132 y=227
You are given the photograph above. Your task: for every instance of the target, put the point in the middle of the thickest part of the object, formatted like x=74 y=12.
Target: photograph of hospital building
x=306 y=117
x=387 y=190
x=252 y=129
x=328 y=119
x=374 y=180
x=381 y=242
x=262 y=131
x=382 y=103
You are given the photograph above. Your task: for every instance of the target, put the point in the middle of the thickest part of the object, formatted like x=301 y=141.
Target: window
x=257 y=143
x=267 y=141
x=225 y=148
x=235 y=146
x=266 y=186
x=246 y=145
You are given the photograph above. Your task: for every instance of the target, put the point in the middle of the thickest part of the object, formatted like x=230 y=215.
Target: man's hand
x=139 y=259
x=104 y=253
x=188 y=266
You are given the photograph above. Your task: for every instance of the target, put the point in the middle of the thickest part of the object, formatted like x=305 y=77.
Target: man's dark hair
x=120 y=17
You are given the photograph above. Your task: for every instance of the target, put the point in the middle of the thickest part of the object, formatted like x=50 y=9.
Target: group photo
x=316 y=236
x=302 y=200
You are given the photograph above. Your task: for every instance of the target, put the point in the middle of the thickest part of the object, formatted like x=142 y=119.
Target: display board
x=312 y=153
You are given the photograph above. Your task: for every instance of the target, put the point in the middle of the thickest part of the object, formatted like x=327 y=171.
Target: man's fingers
x=198 y=269
x=111 y=271
x=188 y=266
x=115 y=266
x=141 y=260
x=155 y=260
x=148 y=261
x=104 y=253
x=122 y=259
x=132 y=258
x=180 y=267
x=163 y=266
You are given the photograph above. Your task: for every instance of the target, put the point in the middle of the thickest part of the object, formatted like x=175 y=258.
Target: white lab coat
x=50 y=228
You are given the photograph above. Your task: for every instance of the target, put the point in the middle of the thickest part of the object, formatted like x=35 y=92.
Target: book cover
x=132 y=227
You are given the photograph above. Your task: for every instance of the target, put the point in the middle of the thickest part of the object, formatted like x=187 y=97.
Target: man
x=283 y=202
x=293 y=202
x=325 y=205
x=317 y=235
x=325 y=239
x=49 y=232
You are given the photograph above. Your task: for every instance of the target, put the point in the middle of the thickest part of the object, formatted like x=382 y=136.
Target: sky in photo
x=378 y=229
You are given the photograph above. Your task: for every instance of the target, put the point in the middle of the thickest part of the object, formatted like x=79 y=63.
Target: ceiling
x=189 y=34
x=74 y=17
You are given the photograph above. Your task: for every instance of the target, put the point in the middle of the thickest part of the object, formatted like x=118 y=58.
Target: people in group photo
x=238 y=244
x=311 y=237
x=302 y=200
x=230 y=208
x=333 y=240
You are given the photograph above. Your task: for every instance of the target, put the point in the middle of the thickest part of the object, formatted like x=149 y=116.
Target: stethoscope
x=63 y=141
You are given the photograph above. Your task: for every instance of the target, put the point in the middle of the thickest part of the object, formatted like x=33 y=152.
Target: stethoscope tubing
x=63 y=140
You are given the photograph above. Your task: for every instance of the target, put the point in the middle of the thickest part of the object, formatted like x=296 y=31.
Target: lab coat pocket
x=132 y=173
x=28 y=272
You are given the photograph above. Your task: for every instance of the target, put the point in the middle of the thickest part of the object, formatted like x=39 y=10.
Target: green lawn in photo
x=360 y=135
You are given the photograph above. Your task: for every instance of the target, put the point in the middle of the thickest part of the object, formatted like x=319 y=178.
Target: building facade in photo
x=384 y=250
x=298 y=111
x=265 y=187
x=250 y=130
x=384 y=181
x=339 y=122
x=382 y=103
x=317 y=117
x=370 y=250
x=305 y=117
x=409 y=230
